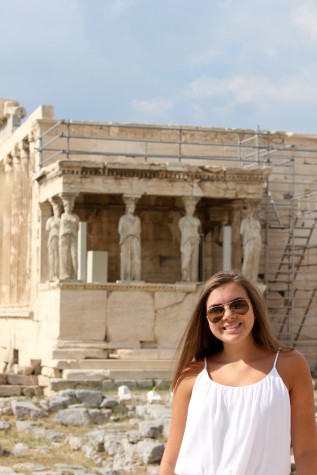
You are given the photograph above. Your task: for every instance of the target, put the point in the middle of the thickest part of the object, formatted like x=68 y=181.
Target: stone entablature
x=120 y=178
x=151 y=171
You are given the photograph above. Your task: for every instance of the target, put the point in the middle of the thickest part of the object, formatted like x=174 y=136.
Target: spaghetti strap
x=205 y=360
x=275 y=361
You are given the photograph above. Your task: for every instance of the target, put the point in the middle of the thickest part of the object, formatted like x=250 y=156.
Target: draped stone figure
x=250 y=231
x=189 y=227
x=52 y=226
x=68 y=237
x=129 y=229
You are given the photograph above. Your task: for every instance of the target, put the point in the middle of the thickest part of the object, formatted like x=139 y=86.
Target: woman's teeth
x=229 y=327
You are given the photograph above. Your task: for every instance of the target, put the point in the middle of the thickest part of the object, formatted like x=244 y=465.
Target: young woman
x=241 y=399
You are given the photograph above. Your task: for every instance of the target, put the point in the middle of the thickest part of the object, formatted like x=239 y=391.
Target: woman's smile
x=229 y=328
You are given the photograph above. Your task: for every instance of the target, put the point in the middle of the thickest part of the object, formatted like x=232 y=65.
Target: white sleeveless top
x=242 y=430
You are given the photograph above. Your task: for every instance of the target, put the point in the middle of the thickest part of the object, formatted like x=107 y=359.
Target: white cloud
x=305 y=16
x=206 y=87
x=154 y=108
x=248 y=88
x=119 y=7
x=203 y=57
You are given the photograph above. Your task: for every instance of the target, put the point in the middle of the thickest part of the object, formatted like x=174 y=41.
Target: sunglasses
x=238 y=307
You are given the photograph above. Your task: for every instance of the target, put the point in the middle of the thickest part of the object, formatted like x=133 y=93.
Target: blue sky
x=219 y=63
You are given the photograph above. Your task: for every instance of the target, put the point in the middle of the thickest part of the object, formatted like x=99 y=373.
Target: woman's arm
x=303 y=423
x=181 y=398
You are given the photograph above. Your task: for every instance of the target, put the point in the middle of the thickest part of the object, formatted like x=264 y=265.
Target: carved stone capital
x=68 y=200
x=23 y=148
x=8 y=163
x=190 y=200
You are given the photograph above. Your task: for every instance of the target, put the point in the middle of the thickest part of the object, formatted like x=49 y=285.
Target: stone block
x=114 y=364
x=24 y=370
x=166 y=353
x=118 y=344
x=68 y=353
x=108 y=385
x=8 y=390
x=31 y=391
x=78 y=353
x=4 y=355
x=35 y=363
x=173 y=311
x=128 y=354
x=43 y=380
x=3 y=366
x=82 y=375
x=75 y=306
x=97 y=266
x=146 y=354
x=3 y=378
x=51 y=372
x=64 y=364
x=121 y=321
x=22 y=380
x=56 y=385
x=137 y=375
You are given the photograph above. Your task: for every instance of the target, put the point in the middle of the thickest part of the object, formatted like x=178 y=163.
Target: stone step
x=118 y=353
x=113 y=364
x=114 y=374
x=127 y=365
x=145 y=353
x=105 y=380
x=10 y=390
x=7 y=390
x=139 y=375
x=53 y=385
x=79 y=353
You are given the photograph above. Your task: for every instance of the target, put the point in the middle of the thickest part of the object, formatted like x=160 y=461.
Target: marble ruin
x=107 y=231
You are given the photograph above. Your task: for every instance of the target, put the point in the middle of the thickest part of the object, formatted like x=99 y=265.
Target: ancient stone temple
x=107 y=231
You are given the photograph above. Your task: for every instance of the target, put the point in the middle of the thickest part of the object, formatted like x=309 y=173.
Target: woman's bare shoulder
x=293 y=366
x=292 y=356
x=189 y=374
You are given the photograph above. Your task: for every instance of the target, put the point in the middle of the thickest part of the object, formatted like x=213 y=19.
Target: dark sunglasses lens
x=215 y=314
x=240 y=306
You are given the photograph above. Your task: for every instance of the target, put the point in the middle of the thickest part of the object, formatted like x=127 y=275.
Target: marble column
x=6 y=234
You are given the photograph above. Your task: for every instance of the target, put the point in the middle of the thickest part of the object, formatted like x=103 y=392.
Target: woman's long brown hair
x=198 y=342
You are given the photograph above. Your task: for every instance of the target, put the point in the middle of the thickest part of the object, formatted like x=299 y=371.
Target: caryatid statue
x=52 y=226
x=129 y=229
x=68 y=239
x=189 y=227
x=250 y=230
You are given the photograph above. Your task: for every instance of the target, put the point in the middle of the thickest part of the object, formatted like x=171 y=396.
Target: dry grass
x=51 y=453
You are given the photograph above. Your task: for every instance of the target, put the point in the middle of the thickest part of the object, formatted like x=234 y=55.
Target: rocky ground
x=84 y=432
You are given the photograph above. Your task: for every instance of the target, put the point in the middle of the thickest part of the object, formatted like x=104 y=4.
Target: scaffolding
x=288 y=211
x=288 y=216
